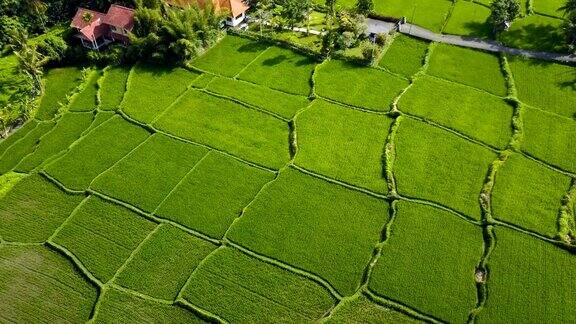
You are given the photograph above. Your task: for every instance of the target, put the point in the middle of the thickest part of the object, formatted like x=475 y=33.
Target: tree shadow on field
x=251 y=48
x=275 y=60
x=479 y=30
x=536 y=37
x=304 y=61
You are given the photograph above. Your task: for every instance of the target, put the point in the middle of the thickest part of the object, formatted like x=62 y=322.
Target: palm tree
x=30 y=61
x=569 y=8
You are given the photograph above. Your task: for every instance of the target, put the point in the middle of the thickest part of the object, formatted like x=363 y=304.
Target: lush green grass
x=361 y=310
x=550 y=138
x=86 y=100
x=530 y=281
x=549 y=7
x=164 y=262
x=545 y=85
x=434 y=249
x=39 y=285
x=12 y=79
x=13 y=155
x=147 y=175
x=429 y=14
x=474 y=113
x=68 y=129
x=241 y=289
x=58 y=84
x=529 y=195
x=202 y=81
x=405 y=55
x=100 y=118
x=537 y=33
x=229 y=126
x=469 y=19
x=193 y=202
x=118 y=307
x=17 y=135
x=33 y=209
x=277 y=102
x=344 y=144
x=96 y=152
x=102 y=236
x=9 y=180
x=316 y=226
x=357 y=85
x=113 y=87
x=152 y=89
x=470 y=67
x=281 y=69
x=438 y=166
x=230 y=56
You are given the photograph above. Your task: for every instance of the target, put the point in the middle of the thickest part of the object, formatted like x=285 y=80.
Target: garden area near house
x=262 y=185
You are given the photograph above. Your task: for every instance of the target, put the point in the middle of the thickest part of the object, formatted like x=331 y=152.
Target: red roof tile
x=80 y=18
x=120 y=17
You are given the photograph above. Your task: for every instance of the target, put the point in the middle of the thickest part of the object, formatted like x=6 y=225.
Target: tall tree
x=294 y=11
x=364 y=7
x=330 y=5
x=504 y=12
x=569 y=8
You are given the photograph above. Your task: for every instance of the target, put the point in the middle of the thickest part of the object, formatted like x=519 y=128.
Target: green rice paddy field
x=261 y=186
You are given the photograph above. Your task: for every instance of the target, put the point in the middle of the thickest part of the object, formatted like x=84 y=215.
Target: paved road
x=377 y=26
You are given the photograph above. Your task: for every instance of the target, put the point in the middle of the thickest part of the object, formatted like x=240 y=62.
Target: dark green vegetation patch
x=316 y=226
x=193 y=202
x=529 y=195
x=245 y=290
x=434 y=249
x=358 y=85
x=96 y=152
x=435 y=165
x=39 y=285
x=102 y=236
x=145 y=177
x=344 y=144
x=164 y=262
x=34 y=209
x=530 y=281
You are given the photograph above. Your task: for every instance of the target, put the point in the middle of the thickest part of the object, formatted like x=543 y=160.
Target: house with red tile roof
x=96 y=29
x=235 y=9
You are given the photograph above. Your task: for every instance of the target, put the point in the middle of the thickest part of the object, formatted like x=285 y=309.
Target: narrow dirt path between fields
x=378 y=26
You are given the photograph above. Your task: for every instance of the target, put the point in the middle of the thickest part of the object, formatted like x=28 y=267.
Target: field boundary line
x=154 y=218
x=547 y=165
x=242 y=103
x=175 y=101
x=10 y=243
x=120 y=160
x=486 y=92
x=285 y=266
x=353 y=107
x=440 y=206
x=21 y=139
x=138 y=294
x=471 y=139
x=133 y=254
x=293 y=135
x=567 y=217
x=180 y=294
x=60 y=184
x=264 y=187
x=38 y=122
x=498 y=222
x=340 y=183
x=250 y=63
x=211 y=317
x=85 y=134
x=153 y=130
x=400 y=307
x=77 y=263
x=179 y=182
x=67 y=220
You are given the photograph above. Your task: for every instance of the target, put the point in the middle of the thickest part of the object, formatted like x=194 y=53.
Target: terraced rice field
x=263 y=186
